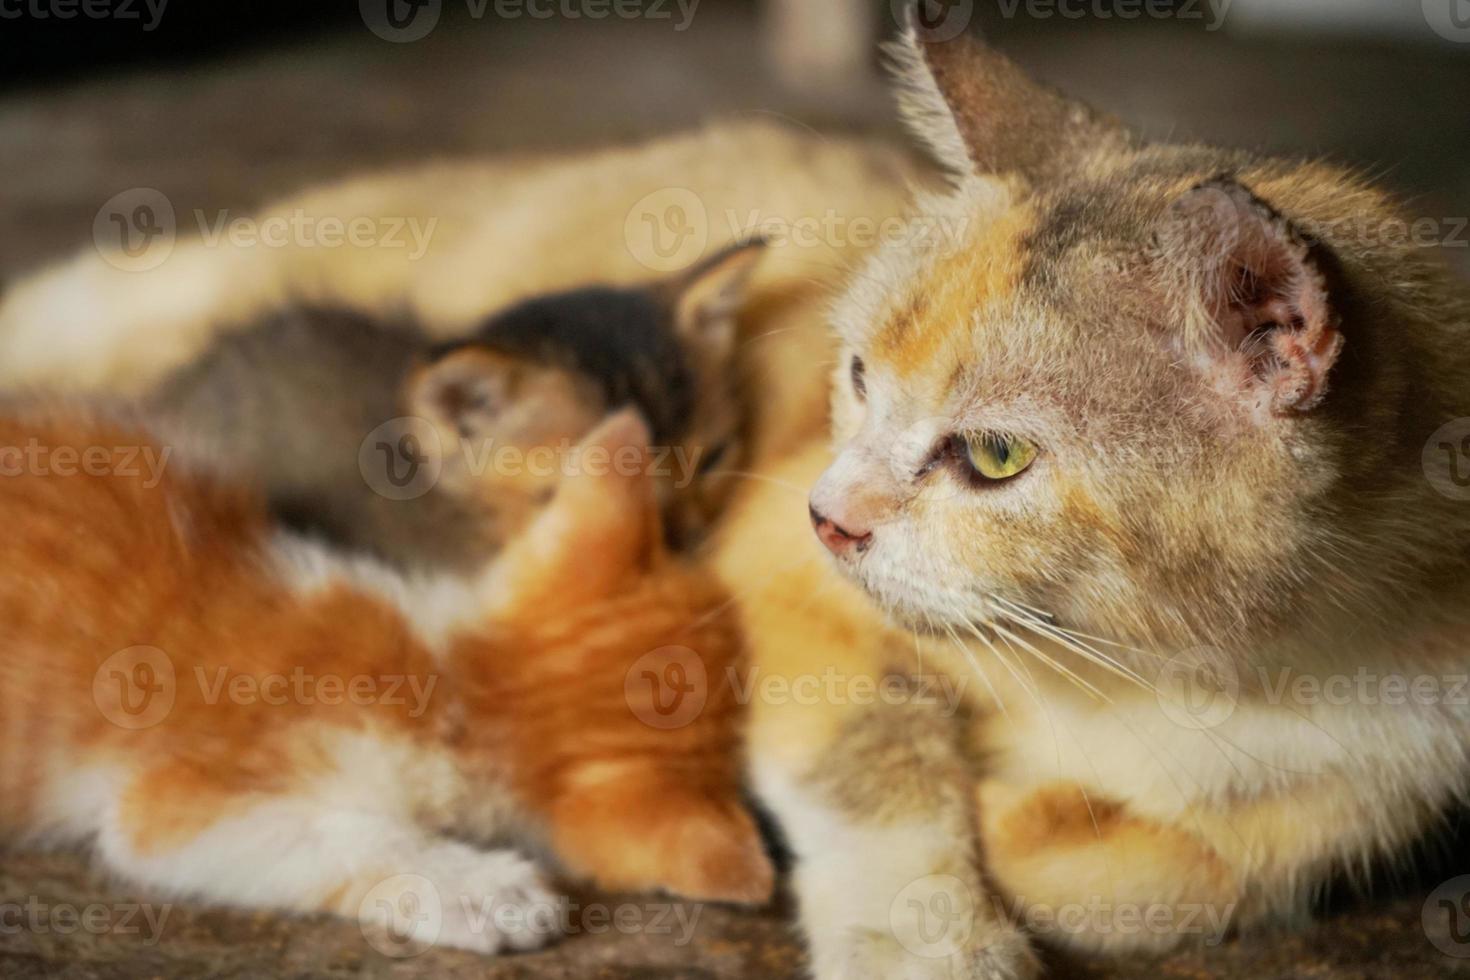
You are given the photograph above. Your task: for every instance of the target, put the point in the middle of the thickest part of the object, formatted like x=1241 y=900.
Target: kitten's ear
x=979 y=113
x=599 y=533
x=708 y=297
x=463 y=393
x=1250 y=294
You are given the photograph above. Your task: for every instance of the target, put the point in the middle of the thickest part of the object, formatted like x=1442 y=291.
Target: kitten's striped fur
x=146 y=627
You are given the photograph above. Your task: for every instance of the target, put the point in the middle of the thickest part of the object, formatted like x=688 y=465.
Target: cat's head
x=521 y=391
x=1154 y=392
x=599 y=540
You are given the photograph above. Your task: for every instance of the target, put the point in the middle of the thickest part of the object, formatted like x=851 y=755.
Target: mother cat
x=1151 y=394
x=1162 y=452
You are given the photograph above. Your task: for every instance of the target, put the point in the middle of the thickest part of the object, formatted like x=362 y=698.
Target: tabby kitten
x=432 y=455
x=1162 y=433
x=222 y=710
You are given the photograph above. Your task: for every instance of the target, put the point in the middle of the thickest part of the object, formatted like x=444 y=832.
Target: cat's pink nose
x=838 y=539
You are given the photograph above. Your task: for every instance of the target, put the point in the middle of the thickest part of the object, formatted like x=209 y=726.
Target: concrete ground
x=237 y=132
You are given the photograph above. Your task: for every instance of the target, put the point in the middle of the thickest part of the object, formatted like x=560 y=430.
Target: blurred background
x=224 y=106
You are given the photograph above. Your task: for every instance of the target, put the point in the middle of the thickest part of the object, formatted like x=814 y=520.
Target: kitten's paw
x=488 y=903
x=720 y=860
x=681 y=843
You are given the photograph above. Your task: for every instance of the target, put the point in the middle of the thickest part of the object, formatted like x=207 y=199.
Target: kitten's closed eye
x=859 y=372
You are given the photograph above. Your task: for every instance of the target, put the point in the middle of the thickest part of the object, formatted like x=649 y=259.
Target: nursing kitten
x=432 y=454
x=225 y=711
x=1164 y=431
x=91 y=324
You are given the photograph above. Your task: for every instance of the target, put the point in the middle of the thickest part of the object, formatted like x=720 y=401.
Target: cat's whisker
x=975 y=664
x=1051 y=662
x=1067 y=641
x=761 y=478
x=770 y=333
x=1051 y=621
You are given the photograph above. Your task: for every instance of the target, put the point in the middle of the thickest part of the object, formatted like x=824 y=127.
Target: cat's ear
x=707 y=298
x=979 y=113
x=1251 y=296
x=600 y=532
x=463 y=393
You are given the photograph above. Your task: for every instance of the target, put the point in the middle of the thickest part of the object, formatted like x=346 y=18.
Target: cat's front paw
x=937 y=928
x=1002 y=954
x=494 y=902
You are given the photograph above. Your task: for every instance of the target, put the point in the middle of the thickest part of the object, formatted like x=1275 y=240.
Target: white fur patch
x=436 y=605
x=924 y=110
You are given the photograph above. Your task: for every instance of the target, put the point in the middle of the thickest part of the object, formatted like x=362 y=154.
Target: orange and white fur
x=1139 y=453
x=223 y=711
x=1194 y=503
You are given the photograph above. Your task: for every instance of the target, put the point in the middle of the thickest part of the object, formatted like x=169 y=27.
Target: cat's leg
x=631 y=828
x=1082 y=872
x=186 y=834
x=1087 y=873
x=871 y=785
x=875 y=798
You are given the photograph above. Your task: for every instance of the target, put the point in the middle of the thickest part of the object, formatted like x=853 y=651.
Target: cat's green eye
x=999 y=457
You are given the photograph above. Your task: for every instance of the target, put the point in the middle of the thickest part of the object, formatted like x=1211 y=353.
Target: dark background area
x=226 y=105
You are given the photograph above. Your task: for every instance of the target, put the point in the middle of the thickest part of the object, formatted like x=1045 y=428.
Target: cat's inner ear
x=465 y=393
x=979 y=113
x=1251 y=295
x=707 y=299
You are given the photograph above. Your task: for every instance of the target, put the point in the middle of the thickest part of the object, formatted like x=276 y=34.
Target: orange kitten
x=225 y=711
